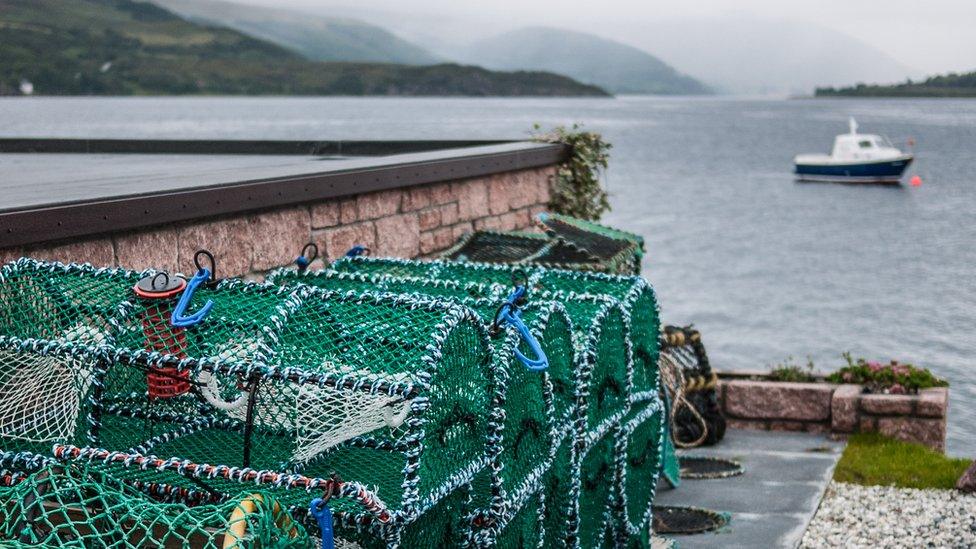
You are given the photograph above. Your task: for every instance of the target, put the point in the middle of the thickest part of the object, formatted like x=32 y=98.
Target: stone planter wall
x=837 y=409
x=409 y=222
x=916 y=418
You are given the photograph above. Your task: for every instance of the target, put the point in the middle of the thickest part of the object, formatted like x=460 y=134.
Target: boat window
x=866 y=144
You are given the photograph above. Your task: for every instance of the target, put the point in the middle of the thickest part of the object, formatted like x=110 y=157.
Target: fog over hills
x=751 y=55
x=611 y=65
x=735 y=53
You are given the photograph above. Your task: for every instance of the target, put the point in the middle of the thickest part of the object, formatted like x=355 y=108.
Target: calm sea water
x=765 y=267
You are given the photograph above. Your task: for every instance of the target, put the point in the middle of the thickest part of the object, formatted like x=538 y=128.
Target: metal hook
x=180 y=318
x=213 y=265
x=163 y=274
x=305 y=259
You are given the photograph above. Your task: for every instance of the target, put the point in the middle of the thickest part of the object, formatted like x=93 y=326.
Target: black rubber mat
x=686 y=520
x=697 y=467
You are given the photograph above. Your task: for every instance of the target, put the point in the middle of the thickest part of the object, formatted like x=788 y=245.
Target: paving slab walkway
x=773 y=501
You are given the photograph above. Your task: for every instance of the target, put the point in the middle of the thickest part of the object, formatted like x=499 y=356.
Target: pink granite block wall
x=836 y=409
x=410 y=222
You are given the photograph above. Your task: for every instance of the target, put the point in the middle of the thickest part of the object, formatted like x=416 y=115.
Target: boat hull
x=879 y=171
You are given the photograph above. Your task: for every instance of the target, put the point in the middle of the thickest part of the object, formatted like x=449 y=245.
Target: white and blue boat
x=856 y=158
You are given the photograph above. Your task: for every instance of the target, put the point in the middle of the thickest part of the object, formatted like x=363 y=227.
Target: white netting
x=41 y=396
x=321 y=417
x=39 y=401
x=327 y=417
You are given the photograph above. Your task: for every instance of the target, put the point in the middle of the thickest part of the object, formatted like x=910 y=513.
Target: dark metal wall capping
x=74 y=220
x=223 y=146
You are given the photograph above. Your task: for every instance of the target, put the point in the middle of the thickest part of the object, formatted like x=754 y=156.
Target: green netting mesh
x=569 y=243
x=523 y=248
x=496 y=247
x=75 y=506
x=524 y=529
x=553 y=220
x=593 y=302
x=378 y=380
x=616 y=251
x=642 y=438
x=391 y=392
x=560 y=489
x=596 y=494
x=533 y=403
x=567 y=287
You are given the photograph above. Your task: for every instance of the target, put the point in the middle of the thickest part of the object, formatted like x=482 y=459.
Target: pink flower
x=897 y=389
x=846 y=376
x=875 y=366
x=901 y=370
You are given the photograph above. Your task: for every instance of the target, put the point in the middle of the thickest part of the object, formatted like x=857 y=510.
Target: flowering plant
x=894 y=378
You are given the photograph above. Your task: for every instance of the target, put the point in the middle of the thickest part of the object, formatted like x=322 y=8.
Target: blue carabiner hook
x=541 y=362
x=179 y=318
x=323 y=515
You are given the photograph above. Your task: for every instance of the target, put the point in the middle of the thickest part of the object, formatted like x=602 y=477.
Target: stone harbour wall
x=406 y=222
x=836 y=409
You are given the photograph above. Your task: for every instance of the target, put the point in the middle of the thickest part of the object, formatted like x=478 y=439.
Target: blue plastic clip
x=323 y=515
x=302 y=263
x=505 y=312
x=179 y=318
x=357 y=251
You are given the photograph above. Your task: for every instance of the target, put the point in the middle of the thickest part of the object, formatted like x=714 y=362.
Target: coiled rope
x=673 y=379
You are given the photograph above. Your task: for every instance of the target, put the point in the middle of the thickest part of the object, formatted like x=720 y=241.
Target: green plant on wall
x=893 y=378
x=576 y=187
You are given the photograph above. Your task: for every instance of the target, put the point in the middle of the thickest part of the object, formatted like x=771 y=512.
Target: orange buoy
x=916 y=181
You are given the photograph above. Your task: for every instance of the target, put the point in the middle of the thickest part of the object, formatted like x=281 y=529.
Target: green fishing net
x=497 y=247
x=80 y=506
x=388 y=392
x=532 y=404
x=642 y=440
x=384 y=382
x=615 y=251
x=568 y=243
x=615 y=322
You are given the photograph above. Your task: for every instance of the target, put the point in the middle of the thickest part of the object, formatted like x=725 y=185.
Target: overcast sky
x=931 y=36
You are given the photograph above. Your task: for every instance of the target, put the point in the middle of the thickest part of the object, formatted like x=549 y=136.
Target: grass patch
x=875 y=460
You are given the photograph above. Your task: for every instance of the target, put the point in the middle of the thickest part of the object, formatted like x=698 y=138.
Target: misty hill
x=950 y=85
x=746 y=54
x=72 y=47
x=315 y=37
x=612 y=65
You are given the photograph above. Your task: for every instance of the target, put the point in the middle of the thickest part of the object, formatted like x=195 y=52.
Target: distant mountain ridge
x=745 y=54
x=315 y=37
x=122 y=47
x=618 y=67
x=949 y=85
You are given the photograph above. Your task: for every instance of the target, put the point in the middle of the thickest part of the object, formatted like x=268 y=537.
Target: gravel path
x=879 y=516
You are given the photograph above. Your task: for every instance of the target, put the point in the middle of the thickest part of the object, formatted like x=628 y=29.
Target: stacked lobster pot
x=534 y=365
x=607 y=420
x=692 y=386
x=564 y=243
x=365 y=414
